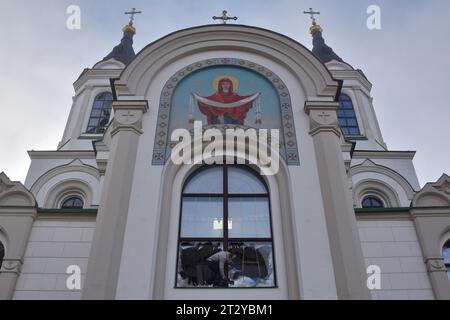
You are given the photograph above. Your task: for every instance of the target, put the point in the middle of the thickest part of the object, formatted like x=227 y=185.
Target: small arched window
x=372 y=202
x=2 y=253
x=347 y=117
x=446 y=255
x=225 y=208
x=72 y=202
x=100 y=113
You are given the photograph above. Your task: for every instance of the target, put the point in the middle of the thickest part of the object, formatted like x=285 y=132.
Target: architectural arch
x=75 y=177
x=309 y=71
x=377 y=188
x=67 y=188
x=385 y=174
x=174 y=177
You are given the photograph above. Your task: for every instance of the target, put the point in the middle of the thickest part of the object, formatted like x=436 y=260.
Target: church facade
x=341 y=217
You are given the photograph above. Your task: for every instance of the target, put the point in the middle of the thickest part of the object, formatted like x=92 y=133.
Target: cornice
x=96 y=74
x=352 y=75
x=364 y=154
x=63 y=154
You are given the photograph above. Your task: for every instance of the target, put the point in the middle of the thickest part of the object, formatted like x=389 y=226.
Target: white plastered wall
x=393 y=246
x=53 y=246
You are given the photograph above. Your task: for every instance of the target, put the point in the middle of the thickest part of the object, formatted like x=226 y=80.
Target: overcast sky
x=407 y=61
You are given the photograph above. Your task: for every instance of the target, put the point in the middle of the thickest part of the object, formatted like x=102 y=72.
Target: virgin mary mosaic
x=225 y=106
x=225 y=93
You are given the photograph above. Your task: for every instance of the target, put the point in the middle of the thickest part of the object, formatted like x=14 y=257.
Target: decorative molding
x=95 y=75
x=66 y=188
x=14 y=193
x=5 y=186
x=128 y=116
x=62 y=154
x=434 y=194
x=323 y=117
x=11 y=266
x=76 y=165
x=435 y=265
x=352 y=75
x=369 y=154
x=445 y=187
x=288 y=142
x=377 y=188
x=370 y=166
x=288 y=53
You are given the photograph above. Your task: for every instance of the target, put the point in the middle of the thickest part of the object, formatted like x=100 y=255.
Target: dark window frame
x=97 y=123
x=373 y=200
x=348 y=121
x=72 y=198
x=225 y=240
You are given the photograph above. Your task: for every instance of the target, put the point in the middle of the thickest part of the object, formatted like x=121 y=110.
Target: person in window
x=216 y=264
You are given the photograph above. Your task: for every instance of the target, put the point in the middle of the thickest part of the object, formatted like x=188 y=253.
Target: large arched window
x=225 y=207
x=446 y=255
x=347 y=117
x=2 y=253
x=100 y=113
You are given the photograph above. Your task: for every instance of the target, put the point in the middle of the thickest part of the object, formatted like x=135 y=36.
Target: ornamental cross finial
x=132 y=13
x=312 y=13
x=224 y=17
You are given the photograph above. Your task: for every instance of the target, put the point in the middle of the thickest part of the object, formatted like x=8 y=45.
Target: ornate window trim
x=68 y=188
x=376 y=188
x=288 y=145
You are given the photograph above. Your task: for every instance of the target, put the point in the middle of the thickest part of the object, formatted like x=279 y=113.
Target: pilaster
x=345 y=245
x=106 y=251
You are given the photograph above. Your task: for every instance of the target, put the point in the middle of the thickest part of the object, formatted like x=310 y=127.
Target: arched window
x=2 y=253
x=225 y=208
x=372 y=202
x=100 y=113
x=446 y=255
x=72 y=202
x=347 y=117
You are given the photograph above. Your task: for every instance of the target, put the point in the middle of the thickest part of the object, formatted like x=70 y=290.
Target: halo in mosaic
x=247 y=79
